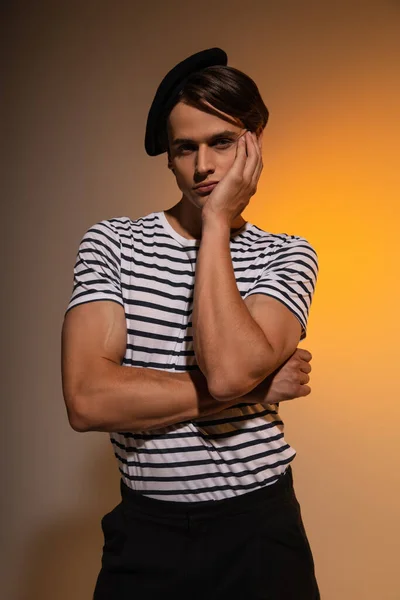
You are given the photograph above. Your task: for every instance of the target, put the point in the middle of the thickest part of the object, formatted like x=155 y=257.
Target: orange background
x=79 y=83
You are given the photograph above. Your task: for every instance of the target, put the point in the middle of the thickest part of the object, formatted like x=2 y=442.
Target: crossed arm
x=103 y=395
x=237 y=342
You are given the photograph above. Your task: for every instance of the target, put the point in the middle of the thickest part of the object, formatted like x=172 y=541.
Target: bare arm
x=102 y=395
x=238 y=342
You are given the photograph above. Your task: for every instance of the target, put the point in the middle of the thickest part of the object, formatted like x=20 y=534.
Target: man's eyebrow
x=226 y=133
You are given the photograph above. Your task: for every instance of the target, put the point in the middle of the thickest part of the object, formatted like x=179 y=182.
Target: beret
x=168 y=90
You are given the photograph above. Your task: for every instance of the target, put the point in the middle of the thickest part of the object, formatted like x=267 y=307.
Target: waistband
x=242 y=503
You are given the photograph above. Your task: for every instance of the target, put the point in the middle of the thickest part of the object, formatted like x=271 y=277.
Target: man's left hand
x=289 y=381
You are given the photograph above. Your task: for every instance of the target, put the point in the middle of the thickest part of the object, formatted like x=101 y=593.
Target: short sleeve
x=290 y=276
x=97 y=273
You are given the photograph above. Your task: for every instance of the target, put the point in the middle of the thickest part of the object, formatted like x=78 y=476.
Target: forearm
x=120 y=398
x=228 y=343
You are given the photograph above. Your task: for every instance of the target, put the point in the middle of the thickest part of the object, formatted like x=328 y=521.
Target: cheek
x=184 y=172
x=184 y=177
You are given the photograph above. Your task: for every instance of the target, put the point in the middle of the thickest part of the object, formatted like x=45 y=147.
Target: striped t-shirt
x=149 y=269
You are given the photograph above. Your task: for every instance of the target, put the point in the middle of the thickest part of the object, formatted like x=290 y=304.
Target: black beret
x=168 y=91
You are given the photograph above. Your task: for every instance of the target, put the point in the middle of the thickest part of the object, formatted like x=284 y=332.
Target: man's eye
x=185 y=148
x=223 y=142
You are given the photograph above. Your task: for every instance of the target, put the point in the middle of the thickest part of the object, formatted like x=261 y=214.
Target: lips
x=206 y=187
x=204 y=184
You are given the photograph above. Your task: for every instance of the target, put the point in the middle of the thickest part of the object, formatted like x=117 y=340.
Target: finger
x=259 y=141
x=241 y=157
x=257 y=144
x=305 y=367
x=259 y=166
x=252 y=159
x=241 y=136
x=304 y=378
x=257 y=174
x=304 y=354
x=253 y=140
x=304 y=390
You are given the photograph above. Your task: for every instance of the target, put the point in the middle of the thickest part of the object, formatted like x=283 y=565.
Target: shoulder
x=110 y=229
x=113 y=224
x=296 y=244
x=285 y=246
x=125 y=224
x=117 y=230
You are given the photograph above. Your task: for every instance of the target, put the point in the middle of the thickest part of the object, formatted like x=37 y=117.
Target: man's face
x=202 y=148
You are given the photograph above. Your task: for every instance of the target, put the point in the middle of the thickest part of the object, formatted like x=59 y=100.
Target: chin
x=197 y=201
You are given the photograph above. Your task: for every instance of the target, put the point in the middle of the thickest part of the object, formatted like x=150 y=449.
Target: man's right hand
x=289 y=381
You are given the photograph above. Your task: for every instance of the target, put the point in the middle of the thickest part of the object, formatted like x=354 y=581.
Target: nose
x=204 y=162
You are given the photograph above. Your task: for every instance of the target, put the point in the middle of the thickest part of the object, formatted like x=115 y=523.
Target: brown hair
x=228 y=90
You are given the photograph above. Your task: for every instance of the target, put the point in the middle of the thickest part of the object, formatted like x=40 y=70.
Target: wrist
x=215 y=223
x=264 y=393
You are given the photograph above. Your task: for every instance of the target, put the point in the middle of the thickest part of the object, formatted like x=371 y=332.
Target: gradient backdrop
x=79 y=81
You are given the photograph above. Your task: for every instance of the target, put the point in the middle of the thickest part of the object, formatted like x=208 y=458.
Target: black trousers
x=248 y=547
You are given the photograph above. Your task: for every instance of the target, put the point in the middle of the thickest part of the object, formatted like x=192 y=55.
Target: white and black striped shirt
x=149 y=268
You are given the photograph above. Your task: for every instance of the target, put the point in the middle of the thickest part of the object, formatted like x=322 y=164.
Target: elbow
x=224 y=396
x=227 y=394
x=79 y=425
x=78 y=416
x=226 y=391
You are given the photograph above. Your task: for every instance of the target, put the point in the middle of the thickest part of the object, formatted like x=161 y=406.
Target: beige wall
x=79 y=83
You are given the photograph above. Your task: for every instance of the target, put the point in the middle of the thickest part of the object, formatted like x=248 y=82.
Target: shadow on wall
x=63 y=559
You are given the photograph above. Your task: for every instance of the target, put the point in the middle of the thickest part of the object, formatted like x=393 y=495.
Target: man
x=180 y=341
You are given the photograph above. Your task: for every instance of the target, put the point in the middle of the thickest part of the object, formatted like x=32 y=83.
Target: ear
x=169 y=158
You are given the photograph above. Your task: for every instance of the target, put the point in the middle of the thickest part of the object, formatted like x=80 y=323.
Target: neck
x=185 y=218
